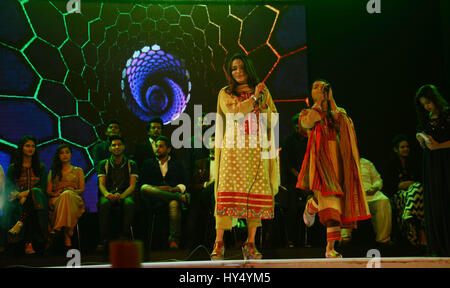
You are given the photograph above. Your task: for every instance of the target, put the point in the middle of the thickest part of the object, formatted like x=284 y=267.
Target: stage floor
x=405 y=262
x=273 y=258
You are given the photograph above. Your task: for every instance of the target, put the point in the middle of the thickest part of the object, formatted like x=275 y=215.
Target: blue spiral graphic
x=155 y=84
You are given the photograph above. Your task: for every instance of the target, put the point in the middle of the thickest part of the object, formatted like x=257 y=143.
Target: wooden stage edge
x=403 y=262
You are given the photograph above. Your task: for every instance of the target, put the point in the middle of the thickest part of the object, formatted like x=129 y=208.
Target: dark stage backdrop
x=64 y=74
x=377 y=62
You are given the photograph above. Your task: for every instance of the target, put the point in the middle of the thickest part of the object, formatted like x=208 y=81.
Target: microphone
x=261 y=95
x=326 y=89
x=260 y=99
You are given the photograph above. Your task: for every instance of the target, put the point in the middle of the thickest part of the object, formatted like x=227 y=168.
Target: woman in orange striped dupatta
x=331 y=167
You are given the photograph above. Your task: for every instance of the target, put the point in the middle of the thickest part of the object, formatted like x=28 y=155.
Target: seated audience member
x=117 y=179
x=201 y=208
x=101 y=150
x=162 y=187
x=147 y=148
x=379 y=204
x=27 y=208
x=65 y=186
x=404 y=188
x=142 y=151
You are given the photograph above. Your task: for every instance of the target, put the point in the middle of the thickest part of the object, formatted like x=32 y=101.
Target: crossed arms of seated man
x=180 y=188
x=166 y=192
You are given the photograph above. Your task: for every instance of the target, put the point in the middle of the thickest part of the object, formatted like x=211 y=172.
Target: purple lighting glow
x=155 y=86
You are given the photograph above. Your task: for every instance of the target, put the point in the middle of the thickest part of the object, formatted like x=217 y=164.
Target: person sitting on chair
x=162 y=185
x=101 y=149
x=379 y=204
x=147 y=148
x=116 y=179
x=65 y=184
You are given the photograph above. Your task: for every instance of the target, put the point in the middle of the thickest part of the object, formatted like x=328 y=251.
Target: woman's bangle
x=254 y=98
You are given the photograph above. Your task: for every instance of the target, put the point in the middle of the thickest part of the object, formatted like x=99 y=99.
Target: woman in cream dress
x=65 y=186
x=246 y=180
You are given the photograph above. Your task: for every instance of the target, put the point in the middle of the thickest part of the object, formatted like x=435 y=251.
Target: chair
x=115 y=210
x=79 y=239
x=78 y=236
x=151 y=232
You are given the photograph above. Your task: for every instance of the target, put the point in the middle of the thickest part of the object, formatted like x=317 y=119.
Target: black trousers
x=125 y=207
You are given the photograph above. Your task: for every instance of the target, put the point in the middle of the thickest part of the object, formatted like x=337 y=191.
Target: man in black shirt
x=117 y=179
x=146 y=149
x=163 y=186
x=101 y=149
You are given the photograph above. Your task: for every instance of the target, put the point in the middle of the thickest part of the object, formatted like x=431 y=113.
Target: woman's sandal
x=333 y=254
x=250 y=252
x=13 y=233
x=29 y=249
x=218 y=251
x=67 y=241
x=16 y=228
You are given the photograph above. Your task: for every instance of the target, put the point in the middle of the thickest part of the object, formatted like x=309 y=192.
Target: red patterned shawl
x=317 y=173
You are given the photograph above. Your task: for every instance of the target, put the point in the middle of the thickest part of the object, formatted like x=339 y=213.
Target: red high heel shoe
x=29 y=249
x=218 y=251
x=250 y=252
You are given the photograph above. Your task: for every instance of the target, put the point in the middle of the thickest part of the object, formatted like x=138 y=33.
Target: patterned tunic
x=245 y=188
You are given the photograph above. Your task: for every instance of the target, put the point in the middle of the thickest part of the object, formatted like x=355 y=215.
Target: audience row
x=39 y=207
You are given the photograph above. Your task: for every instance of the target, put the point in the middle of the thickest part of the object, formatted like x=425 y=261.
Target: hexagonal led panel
x=67 y=71
x=154 y=84
x=38 y=121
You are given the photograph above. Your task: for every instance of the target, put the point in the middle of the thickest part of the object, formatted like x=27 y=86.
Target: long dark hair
x=411 y=164
x=18 y=159
x=431 y=93
x=311 y=101
x=398 y=139
x=57 y=164
x=253 y=78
